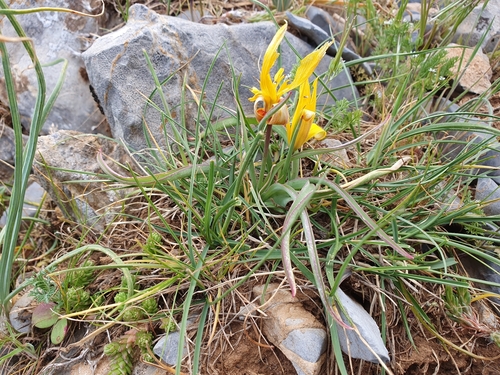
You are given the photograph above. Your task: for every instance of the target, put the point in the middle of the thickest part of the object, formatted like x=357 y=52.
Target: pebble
x=295 y=331
x=487 y=190
x=350 y=340
x=167 y=348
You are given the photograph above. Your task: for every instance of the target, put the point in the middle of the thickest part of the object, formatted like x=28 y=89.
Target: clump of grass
x=235 y=206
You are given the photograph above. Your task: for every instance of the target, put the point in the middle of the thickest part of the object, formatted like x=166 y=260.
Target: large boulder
x=55 y=35
x=195 y=62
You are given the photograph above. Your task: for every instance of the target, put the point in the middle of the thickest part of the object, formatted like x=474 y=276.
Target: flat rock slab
x=194 y=62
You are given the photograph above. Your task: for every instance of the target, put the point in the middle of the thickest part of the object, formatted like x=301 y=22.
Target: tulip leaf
x=301 y=200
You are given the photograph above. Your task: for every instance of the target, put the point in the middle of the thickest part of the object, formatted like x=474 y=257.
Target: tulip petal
x=282 y=117
x=303 y=117
x=316 y=132
x=272 y=89
x=268 y=87
x=307 y=66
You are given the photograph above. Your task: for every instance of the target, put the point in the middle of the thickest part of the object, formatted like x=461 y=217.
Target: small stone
x=488 y=192
x=486 y=315
x=167 y=348
x=21 y=312
x=246 y=311
x=32 y=198
x=350 y=340
x=473 y=71
x=293 y=329
x=337 y=157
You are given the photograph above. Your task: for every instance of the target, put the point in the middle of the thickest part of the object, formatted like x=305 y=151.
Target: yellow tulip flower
x=272 y=89
x=304 y=117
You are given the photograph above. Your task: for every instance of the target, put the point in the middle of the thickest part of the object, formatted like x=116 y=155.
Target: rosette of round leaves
x=45 y=316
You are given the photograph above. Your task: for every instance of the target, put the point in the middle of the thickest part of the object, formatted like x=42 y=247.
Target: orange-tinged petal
x=282 y=117
x=258 y=108
x=260 y=113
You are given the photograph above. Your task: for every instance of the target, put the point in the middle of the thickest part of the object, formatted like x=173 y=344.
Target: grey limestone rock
x=167 y=348
x=66 y=167
x=294 y=330
x=56 y=35
x=364 y=341
x=477 y=23
x=182 y=53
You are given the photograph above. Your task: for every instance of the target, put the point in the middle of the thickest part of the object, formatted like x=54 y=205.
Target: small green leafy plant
x=121 y=352
x=54 y=299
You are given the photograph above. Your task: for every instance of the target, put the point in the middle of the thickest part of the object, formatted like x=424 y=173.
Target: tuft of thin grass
x=208 y=219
